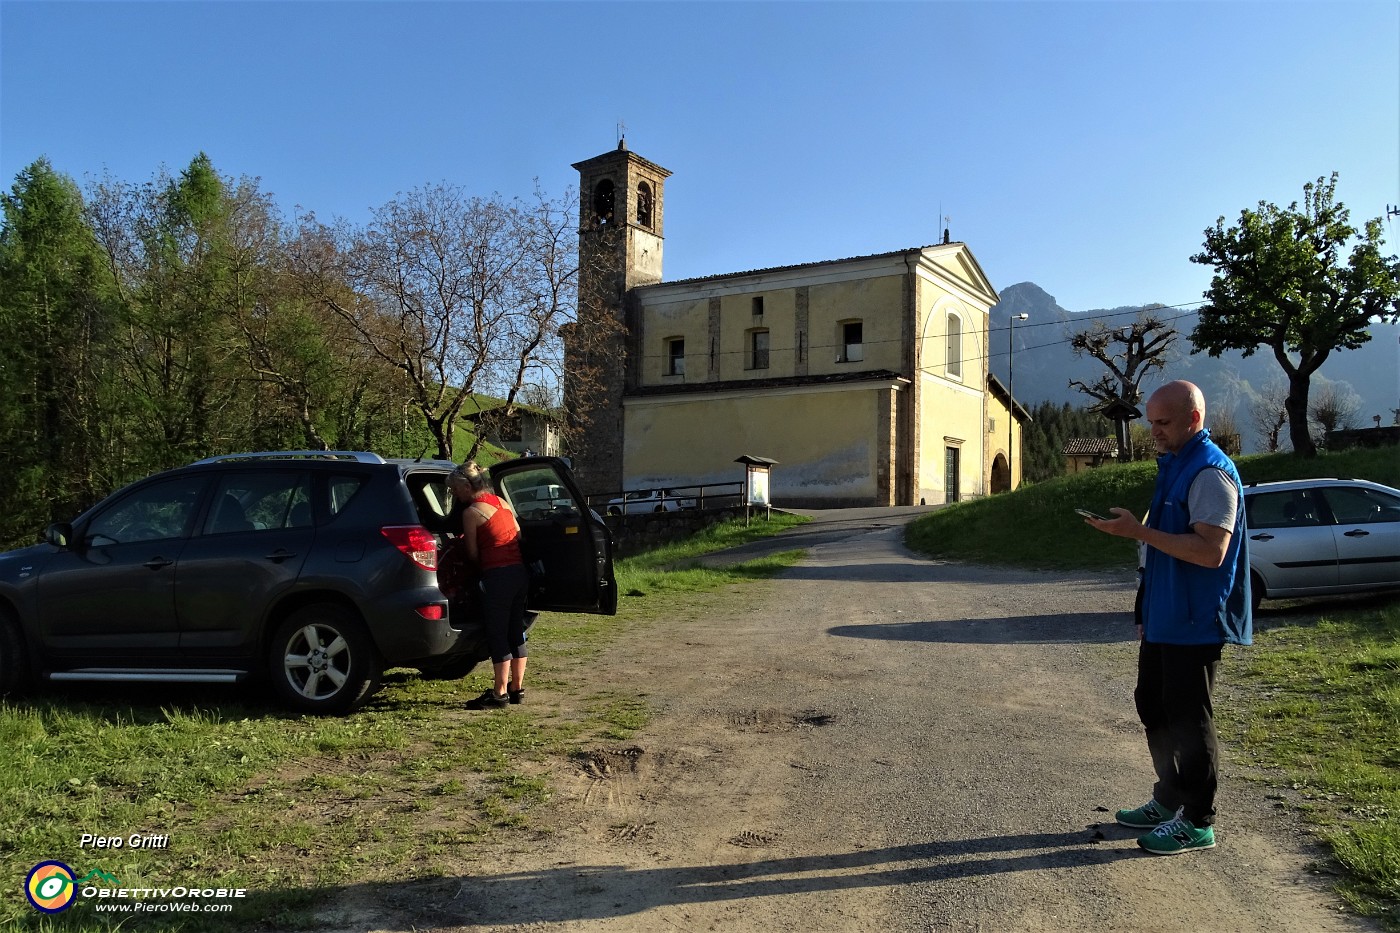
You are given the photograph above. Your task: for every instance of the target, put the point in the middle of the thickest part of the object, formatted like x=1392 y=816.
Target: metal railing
x=639 y=501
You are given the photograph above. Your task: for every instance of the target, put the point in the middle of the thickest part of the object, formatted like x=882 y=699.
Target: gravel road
x=875 y=741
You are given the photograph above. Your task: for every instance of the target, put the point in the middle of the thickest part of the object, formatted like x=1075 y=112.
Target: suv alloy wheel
x=321 y=660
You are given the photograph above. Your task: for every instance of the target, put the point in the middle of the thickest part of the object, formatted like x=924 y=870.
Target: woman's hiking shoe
x=1148 y=816
x=1176 y=836
x=516 y=696
x=489 y=699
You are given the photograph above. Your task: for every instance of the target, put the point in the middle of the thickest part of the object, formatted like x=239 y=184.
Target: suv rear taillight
x=416 y=542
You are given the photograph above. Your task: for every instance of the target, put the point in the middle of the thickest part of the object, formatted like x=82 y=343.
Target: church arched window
x=644 y=203
x=954 y=346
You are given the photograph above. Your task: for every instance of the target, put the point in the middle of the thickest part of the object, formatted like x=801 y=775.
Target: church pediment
x=955 y=262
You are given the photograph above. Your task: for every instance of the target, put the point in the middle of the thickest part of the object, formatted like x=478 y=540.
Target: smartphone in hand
x=1087 y=514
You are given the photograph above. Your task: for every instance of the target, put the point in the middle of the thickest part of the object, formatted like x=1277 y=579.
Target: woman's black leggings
x=503 y=610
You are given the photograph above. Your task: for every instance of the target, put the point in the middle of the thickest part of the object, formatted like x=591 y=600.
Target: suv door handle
x=1261 y=537
x=1355 y=533
x=158 y=563
x=280 y=555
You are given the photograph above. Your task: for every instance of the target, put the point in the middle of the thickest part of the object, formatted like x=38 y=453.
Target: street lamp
x=1011 y=397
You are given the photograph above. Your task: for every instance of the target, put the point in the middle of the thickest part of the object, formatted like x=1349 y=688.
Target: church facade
x=865 y=378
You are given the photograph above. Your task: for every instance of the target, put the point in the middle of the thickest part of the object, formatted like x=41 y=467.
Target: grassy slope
x=1036 y=526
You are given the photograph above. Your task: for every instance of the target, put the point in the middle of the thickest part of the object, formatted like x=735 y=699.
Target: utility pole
x=1011 y=395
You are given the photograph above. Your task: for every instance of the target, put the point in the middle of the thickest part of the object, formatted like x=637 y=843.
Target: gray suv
x=312 y=570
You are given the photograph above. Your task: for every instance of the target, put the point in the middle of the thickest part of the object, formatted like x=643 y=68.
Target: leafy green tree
x=174 y=268
x=212 y=331
x=1281 y=282
x=56 y=322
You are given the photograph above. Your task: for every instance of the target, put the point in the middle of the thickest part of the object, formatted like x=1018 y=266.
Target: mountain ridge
x=1044 y=363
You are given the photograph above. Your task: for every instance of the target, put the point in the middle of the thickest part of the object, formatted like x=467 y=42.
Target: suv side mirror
x=58 y=534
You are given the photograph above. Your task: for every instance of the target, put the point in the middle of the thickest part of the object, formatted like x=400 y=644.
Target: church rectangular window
x=758 y=306
x=850 y=342
x=675 y=356
x=758 y=349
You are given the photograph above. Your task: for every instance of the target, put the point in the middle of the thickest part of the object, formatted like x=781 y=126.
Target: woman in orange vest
x=492 y=539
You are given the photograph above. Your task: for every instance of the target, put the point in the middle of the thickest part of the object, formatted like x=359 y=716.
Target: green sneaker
x=1176 y=836
x=1148 y=816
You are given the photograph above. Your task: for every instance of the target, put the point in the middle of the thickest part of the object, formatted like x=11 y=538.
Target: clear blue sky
x=1082 y=146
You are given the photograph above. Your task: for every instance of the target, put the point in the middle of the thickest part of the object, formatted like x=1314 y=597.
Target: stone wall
x=643 y=531
x=1363 y=437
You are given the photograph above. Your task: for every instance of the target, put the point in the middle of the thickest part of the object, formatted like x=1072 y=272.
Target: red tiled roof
x=1091 y=446
x=802 y=265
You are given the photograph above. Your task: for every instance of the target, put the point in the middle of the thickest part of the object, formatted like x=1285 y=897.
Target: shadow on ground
x=591 y=892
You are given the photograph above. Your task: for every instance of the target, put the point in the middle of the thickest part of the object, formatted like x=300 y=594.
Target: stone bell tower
x=621 y=209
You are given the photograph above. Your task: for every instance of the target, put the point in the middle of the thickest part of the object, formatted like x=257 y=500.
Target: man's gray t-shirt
x=1213 y=499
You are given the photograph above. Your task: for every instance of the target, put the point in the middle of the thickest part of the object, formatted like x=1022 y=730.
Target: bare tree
x=1334 y=407
x=1224 y=428
x=532 y=353
x=462 y=295
x=595 y=344
x=1268 y=413
x=1130 y=352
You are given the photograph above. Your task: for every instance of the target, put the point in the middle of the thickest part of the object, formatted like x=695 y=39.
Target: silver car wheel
x=322 y=660
x=317 y=662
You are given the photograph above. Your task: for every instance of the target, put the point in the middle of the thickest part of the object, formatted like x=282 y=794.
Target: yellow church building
x=866 y=379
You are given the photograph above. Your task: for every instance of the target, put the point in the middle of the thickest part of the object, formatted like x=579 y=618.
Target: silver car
x=1316 y=537
x=650 y=500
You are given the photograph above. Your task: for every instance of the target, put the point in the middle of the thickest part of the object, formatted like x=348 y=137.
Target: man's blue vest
x=1185 y=603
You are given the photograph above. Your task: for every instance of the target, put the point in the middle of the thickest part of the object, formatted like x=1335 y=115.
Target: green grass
x=1315 y=707
x=410 y=787
x=673 y=569
x=1036 y=525
x=1315 y=704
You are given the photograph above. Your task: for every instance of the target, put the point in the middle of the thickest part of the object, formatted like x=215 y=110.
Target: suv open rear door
x=568 y=549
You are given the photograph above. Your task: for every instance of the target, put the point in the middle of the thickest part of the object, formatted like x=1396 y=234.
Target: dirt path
x=879 y=742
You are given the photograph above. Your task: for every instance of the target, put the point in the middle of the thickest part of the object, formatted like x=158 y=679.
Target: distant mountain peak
x=1045 y=363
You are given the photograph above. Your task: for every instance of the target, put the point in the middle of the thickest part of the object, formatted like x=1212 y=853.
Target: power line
x=813 y=347
x=1099 y=317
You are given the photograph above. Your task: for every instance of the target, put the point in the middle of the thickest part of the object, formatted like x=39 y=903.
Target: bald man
x=1195 y=600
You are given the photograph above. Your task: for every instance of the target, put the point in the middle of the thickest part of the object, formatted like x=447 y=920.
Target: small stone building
x=1089 y=453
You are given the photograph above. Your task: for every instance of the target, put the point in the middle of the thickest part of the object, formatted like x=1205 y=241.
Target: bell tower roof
x=619 y=158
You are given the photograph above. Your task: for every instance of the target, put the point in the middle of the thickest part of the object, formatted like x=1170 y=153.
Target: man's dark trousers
x=1173 y=698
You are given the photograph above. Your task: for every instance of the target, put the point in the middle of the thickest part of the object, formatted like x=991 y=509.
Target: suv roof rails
x=358 y=456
